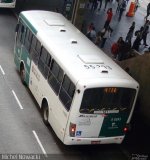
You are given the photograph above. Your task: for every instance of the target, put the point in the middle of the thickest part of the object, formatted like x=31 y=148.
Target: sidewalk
x=121 y=28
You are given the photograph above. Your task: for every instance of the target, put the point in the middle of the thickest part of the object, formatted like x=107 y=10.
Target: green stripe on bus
x=21 y=54
x=113 y=125
x=27 y=61
x=28 y=23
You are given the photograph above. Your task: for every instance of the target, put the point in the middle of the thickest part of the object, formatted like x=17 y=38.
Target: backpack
x=114 y=49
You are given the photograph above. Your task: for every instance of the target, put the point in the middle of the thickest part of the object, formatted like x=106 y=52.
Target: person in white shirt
x=106 y=34
x=93 y=34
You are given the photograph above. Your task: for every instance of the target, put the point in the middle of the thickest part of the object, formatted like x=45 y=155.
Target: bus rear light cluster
x=72 y=129
x=127 y=128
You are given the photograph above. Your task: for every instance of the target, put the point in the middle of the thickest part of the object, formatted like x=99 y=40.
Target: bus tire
x=22 y=73
x=45 y=113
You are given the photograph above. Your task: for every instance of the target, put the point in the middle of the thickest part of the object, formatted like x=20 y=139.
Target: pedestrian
x=130 y=33
x=115 y=49
x=90 y=26
x=124 y=50
x=148 y=11
x=89 y=4
x=147 y=23
x=120 y=40
x=120 y=48
x=109 y=18
x=122 y=9
x=136 y=5
x=100 y=4
x=98 y=38
x=94 y=5
x=138 y=39
x=106 y=34
x=144 y=35
x=119 y=6
x=93 y=34
x=106 y=2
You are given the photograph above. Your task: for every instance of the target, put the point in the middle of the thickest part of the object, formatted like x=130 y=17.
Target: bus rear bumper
x=7 y=5
x=92 y=141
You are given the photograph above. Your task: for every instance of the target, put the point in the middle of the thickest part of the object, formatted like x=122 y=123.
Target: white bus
x=7 y=3
x=85 y=96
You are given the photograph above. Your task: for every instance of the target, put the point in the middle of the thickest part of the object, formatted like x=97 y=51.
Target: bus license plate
x=95 y=142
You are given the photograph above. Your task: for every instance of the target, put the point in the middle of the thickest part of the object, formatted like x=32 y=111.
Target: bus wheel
x=45 y=113
x=22 y=73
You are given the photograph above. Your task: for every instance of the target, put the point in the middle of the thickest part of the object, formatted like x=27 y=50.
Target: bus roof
x=76 y=54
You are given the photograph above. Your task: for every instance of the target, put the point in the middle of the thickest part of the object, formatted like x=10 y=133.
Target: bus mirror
x=17 y=28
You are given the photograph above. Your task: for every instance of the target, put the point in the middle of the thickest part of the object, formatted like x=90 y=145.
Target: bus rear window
x=107 y=100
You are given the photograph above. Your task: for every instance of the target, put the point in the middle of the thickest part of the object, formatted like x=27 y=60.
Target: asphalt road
x=22 y=130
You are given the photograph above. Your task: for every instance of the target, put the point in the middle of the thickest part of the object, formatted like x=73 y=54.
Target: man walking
x=130 y=33
x=100 y=4
x=106 y=2
x=148 y=11
x=119 y=5
x=122 y=9
x=138 y=39
x=144 y=35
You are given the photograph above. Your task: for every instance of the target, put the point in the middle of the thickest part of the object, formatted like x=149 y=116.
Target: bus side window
x=67 y=92
x=17 y=28
x=28 y=39
x=44 y=62
x=38 y=47
x=35 y=49
x=55 y=76
x=20 y=32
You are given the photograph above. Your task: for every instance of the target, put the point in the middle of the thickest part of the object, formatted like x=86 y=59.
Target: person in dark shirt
x=124 y=49
x=138 y=39
x=130 y=33
x=148 y=11
x=100 y=4
x=144 y=35
x=106 y=2
x=122 y=9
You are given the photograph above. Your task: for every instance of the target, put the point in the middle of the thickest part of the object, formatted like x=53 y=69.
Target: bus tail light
x=72 y=129
x=127 y=128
